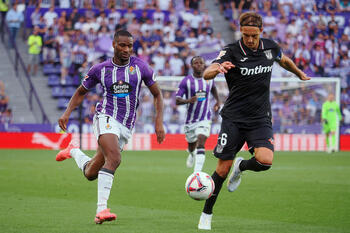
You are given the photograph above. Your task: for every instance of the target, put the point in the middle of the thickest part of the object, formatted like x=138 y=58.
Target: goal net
x=296 y=110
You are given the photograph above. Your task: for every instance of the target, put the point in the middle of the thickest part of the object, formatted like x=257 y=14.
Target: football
x=199 y=186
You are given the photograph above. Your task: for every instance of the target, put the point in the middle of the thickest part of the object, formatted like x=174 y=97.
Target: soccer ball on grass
x=199 y=186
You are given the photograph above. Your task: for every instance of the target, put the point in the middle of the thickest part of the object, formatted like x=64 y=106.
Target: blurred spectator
x=35 y=43
x=14 y=18
x=50 y=15
x=285 y=7
x=35 y=16
x=176 y=65
x=49 y=47
x=79 y=55
x=46 y=3
x=64 y=4
x=6 y=117
x=65 y=56
x=344 y=5
x=4 y=100
x=4 y=6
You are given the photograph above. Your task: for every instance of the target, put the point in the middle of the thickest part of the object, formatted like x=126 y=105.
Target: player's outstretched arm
x=74 y=102
x=158 y=103
x=289 y=65
x=214 y=69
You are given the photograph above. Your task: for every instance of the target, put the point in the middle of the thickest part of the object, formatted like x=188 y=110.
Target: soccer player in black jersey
x=246 y=115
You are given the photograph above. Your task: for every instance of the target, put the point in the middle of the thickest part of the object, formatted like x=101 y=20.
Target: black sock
x=253 y=165
x=209 y=204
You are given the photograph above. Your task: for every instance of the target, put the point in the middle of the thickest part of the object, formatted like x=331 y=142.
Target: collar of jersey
x=247 y=50
x=119 y=65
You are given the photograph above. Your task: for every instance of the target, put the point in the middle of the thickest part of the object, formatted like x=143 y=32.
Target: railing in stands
x=19 y=67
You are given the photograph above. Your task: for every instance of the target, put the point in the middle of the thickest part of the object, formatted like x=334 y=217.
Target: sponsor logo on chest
x=121 y=89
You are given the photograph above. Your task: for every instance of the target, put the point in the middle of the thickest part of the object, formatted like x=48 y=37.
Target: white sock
x=104 y=185
x=199 y=159
x=80 y=158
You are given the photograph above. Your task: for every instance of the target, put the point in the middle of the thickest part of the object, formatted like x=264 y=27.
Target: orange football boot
x=65 y=153
x=105 y=215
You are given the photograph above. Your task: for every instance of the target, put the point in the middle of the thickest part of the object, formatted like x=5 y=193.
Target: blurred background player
x=196 y=92
x=246 y=115
x=121 y=78
x=330 y=117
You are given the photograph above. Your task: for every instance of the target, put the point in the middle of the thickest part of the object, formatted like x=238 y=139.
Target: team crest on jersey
x=222 y=53
x=86 y=77
x=108 y=126
x=268 y=54
x=201 y=95
x=131 y=70
x=121 y=89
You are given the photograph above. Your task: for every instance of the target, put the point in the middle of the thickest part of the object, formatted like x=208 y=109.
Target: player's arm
x=158 y=103
x=215 y=94
x=289 y=65
x=181 y=101
x=215 y=68
x=74 y=102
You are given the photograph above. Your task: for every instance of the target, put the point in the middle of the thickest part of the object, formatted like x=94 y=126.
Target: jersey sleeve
x=148 y=75
x=90 y=79
x=182 y=90
x=278 y=52
x=224 y=55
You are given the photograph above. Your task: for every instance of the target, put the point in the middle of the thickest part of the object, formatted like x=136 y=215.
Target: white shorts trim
x=103 y=123
x=193 y=130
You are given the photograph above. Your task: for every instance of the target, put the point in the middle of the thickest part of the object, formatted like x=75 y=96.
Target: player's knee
x=90 y=177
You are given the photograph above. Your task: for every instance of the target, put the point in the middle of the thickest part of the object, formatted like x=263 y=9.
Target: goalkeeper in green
x=330 y=117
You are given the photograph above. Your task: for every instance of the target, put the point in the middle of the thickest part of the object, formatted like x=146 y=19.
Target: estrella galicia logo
x=121 y=89
x=201 y=95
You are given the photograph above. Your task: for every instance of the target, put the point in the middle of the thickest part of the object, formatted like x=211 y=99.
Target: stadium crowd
x=78 y=33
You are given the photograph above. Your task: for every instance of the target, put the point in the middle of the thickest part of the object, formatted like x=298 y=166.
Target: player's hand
x=225 y=67
x=62 y=121
x=160 y=132
x=304 y=77
x=192 y=100
x=216 y=106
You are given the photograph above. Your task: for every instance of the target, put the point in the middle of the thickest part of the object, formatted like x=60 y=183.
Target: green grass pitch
x=303 y=192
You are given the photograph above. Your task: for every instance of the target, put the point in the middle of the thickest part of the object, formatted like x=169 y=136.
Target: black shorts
x=233 y=135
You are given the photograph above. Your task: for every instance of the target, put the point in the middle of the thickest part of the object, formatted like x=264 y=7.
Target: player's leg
x=230 y=141
x=72 y=150
x=192 y=144
x=191 y=153
x=109 y=145
x=92 y=168
x=202 y=132
x=200 y=155
x=333 y=141
x=219 y=176
x=260 y=141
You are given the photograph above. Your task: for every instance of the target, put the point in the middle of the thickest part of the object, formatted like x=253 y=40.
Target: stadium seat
x=57 y=92
x=53 y=80
x=62 y=103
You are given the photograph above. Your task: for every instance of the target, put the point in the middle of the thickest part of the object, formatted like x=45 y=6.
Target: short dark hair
x=122 y=33
x=250 y=19
x=195 y=57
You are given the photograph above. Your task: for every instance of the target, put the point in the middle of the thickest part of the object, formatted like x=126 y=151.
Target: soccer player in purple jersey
x=195 y=92
x=121 y=78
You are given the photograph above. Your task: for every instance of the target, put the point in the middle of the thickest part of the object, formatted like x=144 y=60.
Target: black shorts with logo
x=233 y=135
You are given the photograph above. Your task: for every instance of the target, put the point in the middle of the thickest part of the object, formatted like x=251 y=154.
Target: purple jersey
x=191 y=86
x=121 y=87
